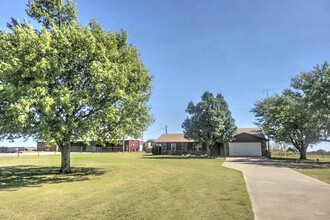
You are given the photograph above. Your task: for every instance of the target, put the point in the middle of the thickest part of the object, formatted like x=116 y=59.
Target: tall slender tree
x=67 y=82
x=209 y=121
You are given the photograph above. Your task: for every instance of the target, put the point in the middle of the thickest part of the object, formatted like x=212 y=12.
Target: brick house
x=246 y=142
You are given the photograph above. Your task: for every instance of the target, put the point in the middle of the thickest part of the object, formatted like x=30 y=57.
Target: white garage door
x=245 y=149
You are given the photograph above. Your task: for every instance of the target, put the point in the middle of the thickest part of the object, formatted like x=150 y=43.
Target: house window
x=173 y=146
x=184 y=147
x=198 y=148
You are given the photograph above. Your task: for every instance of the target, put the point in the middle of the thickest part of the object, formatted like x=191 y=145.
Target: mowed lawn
x=322 y=174
x=319 y=170
x=121 y=186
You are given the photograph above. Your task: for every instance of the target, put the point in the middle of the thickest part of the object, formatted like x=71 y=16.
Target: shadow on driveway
x=278 y=192
x=290 y=163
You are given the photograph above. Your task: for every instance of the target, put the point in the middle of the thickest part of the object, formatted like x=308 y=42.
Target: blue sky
x=238 y=48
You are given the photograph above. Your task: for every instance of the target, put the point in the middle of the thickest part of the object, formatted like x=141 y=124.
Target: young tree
x=287 y=118
x=209 y=121
x=67 y=82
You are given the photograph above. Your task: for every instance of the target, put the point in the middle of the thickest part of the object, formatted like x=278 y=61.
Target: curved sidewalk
x=278 y=192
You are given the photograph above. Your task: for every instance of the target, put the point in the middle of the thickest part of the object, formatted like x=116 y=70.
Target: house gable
x=245 y=137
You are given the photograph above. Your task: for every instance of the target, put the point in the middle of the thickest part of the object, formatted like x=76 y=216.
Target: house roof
x=165 y=138
x=257 y=132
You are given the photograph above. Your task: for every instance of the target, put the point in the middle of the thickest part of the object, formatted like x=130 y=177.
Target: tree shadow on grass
x=303 y=164
x=15 y=177
x=176 y=157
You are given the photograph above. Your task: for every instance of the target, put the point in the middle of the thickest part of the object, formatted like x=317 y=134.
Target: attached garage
x=252 y=149
x=248 y=142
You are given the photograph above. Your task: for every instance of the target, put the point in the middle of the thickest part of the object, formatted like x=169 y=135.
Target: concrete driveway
x=278 y=192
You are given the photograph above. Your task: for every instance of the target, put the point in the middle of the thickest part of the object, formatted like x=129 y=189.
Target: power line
x=151 y=132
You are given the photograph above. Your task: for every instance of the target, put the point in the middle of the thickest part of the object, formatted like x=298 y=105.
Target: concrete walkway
x=278 y=192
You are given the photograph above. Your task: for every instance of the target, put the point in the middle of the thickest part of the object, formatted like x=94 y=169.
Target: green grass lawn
x=322 y=174
x=121 y=186
x=310 y=157
x=319 y=170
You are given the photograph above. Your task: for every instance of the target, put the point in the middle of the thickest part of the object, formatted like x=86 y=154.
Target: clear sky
x=242 y=49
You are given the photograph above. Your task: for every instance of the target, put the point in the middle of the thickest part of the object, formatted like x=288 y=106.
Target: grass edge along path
x=122 y=186
x=322 y=174
x=317 y=166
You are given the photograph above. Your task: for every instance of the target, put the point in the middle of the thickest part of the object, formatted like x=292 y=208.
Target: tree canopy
x=67 y=82
x=53 y=13
x=315 y=85
x=209 y=121
x=299 y=115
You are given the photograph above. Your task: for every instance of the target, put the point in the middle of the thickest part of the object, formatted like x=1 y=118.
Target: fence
x=94 y=149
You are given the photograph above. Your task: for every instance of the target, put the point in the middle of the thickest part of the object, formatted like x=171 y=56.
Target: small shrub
x=156 y=150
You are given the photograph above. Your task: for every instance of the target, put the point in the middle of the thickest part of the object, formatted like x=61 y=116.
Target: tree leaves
x=68 y=82
x=300 y=115
x=315 y=85
x=52 y=13
x=209 y=121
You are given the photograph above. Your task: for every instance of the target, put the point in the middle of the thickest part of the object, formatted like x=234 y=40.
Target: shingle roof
x=173 y=138
x=166 y=138
x=252 y=131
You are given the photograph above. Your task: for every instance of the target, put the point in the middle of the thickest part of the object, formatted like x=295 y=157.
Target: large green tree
x=209 y=121
x=67 y=82
x=301 y=115
x=315 y=85
x=286 y=118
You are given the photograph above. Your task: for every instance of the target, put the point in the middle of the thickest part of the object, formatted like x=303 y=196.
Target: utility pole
x=267 y=91
x=165 y=129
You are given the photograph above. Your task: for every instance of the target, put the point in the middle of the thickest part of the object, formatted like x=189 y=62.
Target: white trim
x=245 y=149
x=173 y=146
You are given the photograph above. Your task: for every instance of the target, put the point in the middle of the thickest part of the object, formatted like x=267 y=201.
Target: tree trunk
x=208 y=150
x=65 y=159
x=302 y=152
